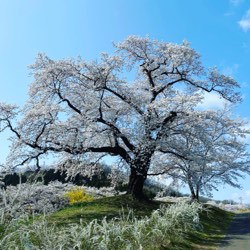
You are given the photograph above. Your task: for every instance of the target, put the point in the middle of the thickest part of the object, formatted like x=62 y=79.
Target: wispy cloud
x=233 y=5
x=245 y=21
x=236 y=2
x=230 y=70
x=212 y=101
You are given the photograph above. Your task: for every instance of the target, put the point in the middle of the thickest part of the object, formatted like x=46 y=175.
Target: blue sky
x=218 y=30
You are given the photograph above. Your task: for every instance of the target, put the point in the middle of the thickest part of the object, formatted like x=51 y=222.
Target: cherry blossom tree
x=129 y=105
x=213 y=151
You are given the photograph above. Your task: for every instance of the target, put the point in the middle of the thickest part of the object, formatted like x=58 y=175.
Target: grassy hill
x=214 y=221
x=109 y=207
x=120 y=222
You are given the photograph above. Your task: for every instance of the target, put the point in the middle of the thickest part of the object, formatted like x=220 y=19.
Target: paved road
x=238 y=237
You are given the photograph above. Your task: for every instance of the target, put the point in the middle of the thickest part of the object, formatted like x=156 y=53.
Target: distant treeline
x=97 y=180
x=46 y=176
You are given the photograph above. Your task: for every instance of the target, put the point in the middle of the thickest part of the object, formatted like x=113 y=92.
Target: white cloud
x=236 y=2
x=230 y=70
x=212 y=101
x=245 y=21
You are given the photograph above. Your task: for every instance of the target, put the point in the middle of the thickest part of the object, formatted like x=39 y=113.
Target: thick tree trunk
x=194 y=194
x=139 y=169
x=135 y=185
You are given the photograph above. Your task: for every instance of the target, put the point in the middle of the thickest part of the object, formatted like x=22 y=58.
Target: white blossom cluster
x=32 y=198
x=37 y=198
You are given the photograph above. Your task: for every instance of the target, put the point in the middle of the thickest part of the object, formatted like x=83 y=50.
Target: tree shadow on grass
x=214 y=226
x=238 y=229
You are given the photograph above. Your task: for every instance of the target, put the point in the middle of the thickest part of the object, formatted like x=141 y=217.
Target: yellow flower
x=77 y=195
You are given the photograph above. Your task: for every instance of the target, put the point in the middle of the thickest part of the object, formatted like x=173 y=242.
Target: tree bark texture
x=194 y=193
x=135 y=185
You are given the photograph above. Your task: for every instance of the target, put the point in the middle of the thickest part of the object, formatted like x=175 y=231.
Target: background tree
x=213 y=151
x=128 y=105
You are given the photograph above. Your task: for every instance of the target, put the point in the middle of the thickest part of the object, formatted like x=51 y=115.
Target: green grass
x=215 y=223
x=110 y=207
x=214 y=220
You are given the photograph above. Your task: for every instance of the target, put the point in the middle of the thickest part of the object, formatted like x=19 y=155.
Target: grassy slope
x=97 y=209
x=214 y=221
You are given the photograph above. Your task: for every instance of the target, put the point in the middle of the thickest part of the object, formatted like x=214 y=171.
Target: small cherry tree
x=213 y=151
x=127 y=105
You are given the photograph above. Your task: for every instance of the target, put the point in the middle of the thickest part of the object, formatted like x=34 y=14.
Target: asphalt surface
x=238 y=236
